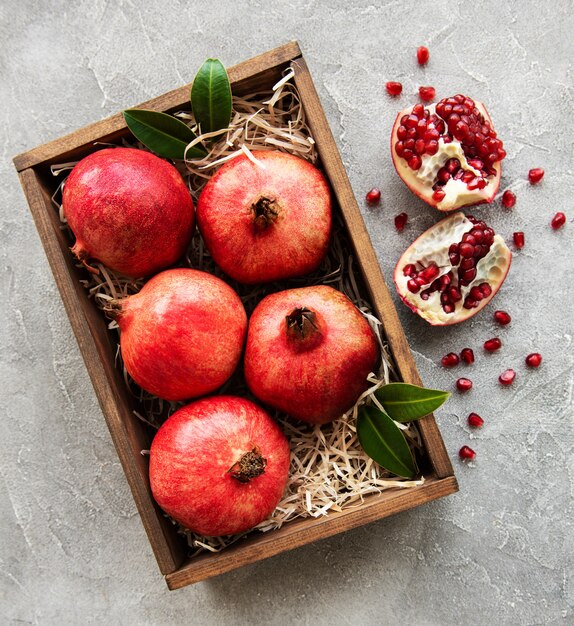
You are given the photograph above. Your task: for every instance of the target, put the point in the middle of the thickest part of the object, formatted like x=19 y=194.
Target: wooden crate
x=128 y=433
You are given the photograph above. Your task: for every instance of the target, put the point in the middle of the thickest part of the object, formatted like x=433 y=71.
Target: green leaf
x=404 y=402
x=384 y=442
x=211 y=97
x=163 y=134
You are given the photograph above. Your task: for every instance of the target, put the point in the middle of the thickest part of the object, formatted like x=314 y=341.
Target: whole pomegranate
x=219 y=465
x=309 y=352
x=453 y=270
x=128 y=209
x=448 y=153
x=182 y=334
x=267 y=221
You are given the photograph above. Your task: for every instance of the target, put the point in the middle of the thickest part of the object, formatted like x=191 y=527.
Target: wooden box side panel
x=99 y=355
x=302 y=532
x=367 y=259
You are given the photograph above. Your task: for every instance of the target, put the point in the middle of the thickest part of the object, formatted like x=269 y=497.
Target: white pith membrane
x=329 y=470
x=433 y=247
x=421 y=181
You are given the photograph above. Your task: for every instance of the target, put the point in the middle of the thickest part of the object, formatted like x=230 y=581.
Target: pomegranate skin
x=269 y=222
x=182 y=334
x=128 y=209
x=191 y=461
x=316 y=374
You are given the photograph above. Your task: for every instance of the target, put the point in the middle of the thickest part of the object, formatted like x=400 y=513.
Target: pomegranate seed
x=535 y=175
x=491 y=345
x=518 y=239
x=475 y=420
x=450 y=360
x=558 y=221
x=502 y=317
x=508 y=199
x=467 y=355
x=464 y=384
x=394 y=88
x=400 y=221
x=423 y=55
x=427 y=93
x=533 y=360
x=507 y=377
x=373 y=196
x=438 y=195
x=467 y=453
x=409 y=269
x=415 y=162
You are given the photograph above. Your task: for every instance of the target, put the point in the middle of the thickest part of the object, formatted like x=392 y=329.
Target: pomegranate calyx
x=249 y=466
x=302 y=323
x=265 y=212
x=113 y=308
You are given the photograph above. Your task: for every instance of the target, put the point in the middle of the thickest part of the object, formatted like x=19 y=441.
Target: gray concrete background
x=73 y=550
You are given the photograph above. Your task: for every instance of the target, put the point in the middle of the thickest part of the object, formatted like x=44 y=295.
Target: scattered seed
x=518 y=239
x=394 y=88
x=373 y=196
x=507 y=377
x=423 y=55
x=401 y=221
x=450 y=360
x=427 y=93
x=464 y=384
x=491 y=345
x=475 y=420
x=502 y=317
x=558 y=221
x=467 y=453
x=508 y=199
x=535 y=175
x=467 y=355
x=534 y=359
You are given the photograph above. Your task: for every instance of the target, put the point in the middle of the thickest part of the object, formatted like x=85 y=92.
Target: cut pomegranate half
x=448 y=153
x=453 y=270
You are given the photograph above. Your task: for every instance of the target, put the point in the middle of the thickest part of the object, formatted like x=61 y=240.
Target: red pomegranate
x=309 y=352
x=182 y=334
x=453 y=270
x=267 y=221
x=448 y=153
x=219 y=465
x=128 y=209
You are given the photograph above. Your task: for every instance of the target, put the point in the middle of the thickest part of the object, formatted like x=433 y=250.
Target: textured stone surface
x=501 y=551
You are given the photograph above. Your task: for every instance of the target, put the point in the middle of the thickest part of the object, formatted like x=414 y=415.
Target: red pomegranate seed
x=533 y=360
x=467 y=355
x=491 y=345
x=464 y=384
x=467 y=453
x=475 y=420
x=427 y=93
x=438 y=195
x=450 y=360
x=373 y=196
x=508 y=199
x=535 y=175
x=423 y=55
x=518 y=239
x=507 y=377
x=502 y=317
x=558 y=221
x=394 y=88
x=400 y=221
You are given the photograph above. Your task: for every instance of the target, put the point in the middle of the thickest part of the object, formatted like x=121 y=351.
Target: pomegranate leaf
x=163 y=134
x=211 y=97
x=404 y=402
x=384 y=442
